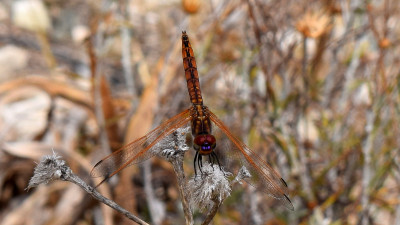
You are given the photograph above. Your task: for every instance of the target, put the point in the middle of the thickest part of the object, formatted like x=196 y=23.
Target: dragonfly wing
x=140 y=149
x=263 y=176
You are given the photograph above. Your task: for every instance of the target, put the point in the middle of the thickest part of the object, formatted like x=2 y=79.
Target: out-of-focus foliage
x=311 y=86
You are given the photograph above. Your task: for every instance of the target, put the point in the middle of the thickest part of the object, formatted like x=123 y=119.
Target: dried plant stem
x=367 y=171
x=258 y=34
x=93 y=192
x=305 y=177
x=46 y=49
x=212 y=212
x=304 y=61
x=96 y=81
x=396 y=161
x=53 y=168
x=349 y=74
x=126 y=58
x=156 y=207
x=177 y=164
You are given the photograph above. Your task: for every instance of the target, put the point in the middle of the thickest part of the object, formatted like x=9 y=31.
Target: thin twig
x=177 y=164
x=126 y=58
x=396 y=161
x=367 y=172
x=156 y=207
x=76 y=180
x=53 y=168
x=213 y=211
x=92 y=44
x=174 y=147
x=46 y=49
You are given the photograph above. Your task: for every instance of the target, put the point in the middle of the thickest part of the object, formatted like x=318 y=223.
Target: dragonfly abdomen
x=192 y=77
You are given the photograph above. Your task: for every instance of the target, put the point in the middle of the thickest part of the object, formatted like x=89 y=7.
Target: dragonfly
x=262 y=176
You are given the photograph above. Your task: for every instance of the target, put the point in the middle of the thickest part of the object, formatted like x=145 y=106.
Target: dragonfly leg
x=211 y=160
x=194 y=163
x=200 y=163
x=216 y=157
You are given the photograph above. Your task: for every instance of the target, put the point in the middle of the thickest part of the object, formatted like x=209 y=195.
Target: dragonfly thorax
x=204 y=143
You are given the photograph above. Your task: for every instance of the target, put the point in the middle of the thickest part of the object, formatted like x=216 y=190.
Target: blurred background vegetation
x=311 y=86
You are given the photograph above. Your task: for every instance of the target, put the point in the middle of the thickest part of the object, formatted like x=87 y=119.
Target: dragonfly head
x=204 y=143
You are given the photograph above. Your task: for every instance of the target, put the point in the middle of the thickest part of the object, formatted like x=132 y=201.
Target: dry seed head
x=191 y=6
x=313 y=24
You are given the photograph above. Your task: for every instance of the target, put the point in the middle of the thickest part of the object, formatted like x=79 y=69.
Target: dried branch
x=126 y=58
x=174 y=151
x=367 y=170
x=156 y=207
x=53 y=168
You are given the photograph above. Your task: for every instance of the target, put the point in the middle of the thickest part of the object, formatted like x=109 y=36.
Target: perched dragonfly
x=201 y=119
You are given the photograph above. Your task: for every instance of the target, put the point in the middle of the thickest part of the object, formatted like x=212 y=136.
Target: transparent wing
x=263 y=176
x=138 y=150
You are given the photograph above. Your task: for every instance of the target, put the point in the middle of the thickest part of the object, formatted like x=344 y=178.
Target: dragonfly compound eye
x=205 y=142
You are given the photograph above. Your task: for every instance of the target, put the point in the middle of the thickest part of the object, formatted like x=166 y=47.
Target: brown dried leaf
x=30 y=150
x=143 y=118
x=109 y=113
x=140 y=123
x=52 y=86
x=35 y=205
x=24 y=114
x=68 y=208
x=35 y=151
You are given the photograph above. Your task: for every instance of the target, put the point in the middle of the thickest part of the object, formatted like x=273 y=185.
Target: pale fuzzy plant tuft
x=31 y=15
x=50 y=168
x=174 y=143
x=209 y=187
x=242 y=174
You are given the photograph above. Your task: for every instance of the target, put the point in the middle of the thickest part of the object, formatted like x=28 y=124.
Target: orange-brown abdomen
x=192 y=77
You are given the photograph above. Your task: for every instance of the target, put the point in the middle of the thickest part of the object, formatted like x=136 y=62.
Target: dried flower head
x=49 y=168
x=384 y=43
x=209 y=187
x=242 y=174
x=191 y=6
x=313 y=24
x=174 y=143
x=31 y=15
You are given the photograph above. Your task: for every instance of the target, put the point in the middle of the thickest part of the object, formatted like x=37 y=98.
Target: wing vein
x=274 y=184
x=138 y=150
